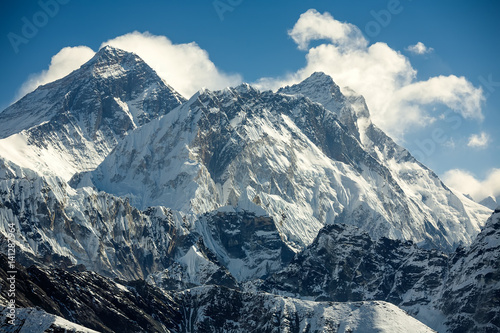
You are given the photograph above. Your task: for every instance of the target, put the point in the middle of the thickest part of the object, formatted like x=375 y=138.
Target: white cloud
x=479 y=140
x=385 y=77
x=314 y=26
x=466 y=183
x=186 y=67
x=419 y=48
x=63 y=63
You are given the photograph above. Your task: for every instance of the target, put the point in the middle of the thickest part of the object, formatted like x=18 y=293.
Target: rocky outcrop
x=104 y=305
x=345 y=264
x=471 y=293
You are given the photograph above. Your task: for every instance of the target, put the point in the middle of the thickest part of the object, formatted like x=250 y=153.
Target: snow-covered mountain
x=289 y=157
x=490 y=202
x=371 y=278
x=344 y=264
x=419 y=183
x=70 y=125
x=238 y=210
x=57 y=225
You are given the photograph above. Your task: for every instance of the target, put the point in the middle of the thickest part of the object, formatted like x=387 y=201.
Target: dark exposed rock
x=345 y=264
x=471 y=295
x=99 y=303
x=91 y=300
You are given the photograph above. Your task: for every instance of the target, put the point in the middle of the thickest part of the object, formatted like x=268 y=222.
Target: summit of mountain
x=71 y=124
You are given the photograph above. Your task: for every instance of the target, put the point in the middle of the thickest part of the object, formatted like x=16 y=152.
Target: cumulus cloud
x=419 y=48
x=466 y=183
x=186 y=67
x=63 y=63
x=314 y=26
x=384 y=76
x=479 y=140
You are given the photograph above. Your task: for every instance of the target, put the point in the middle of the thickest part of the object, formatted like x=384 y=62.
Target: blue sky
x=250 y=40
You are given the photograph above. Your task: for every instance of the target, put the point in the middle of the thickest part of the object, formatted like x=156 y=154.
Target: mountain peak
x=89 y=110
x=320 y=77
x=109 y=48
x=320 y=88
x=110 y=52
x=109 y=59
x=245 y=88
x=490 y=202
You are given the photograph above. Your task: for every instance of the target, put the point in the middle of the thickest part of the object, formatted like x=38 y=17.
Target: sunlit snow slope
x=291 y=158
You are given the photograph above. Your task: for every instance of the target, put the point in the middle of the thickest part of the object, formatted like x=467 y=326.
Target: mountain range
x=236 y=210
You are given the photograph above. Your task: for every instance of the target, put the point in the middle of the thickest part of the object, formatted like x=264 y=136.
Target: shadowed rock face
x=345 y=264
x=471 y=295
x=342 y=264
x=101 y=304
x=227 y=249
x=93 y=301
x=249 y=245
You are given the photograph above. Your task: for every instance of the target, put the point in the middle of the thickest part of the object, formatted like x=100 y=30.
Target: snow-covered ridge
x=301 y=162
x=247 y=312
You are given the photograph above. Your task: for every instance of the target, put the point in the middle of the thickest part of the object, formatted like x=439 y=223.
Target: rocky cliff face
x=471 y=294
x=101 y=304
x=345 y=264
x=247 y=244
x=57 y=225
x=60 y=226
x=92 y=301
x=451 y=293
